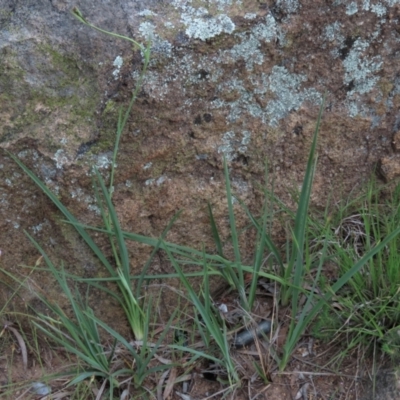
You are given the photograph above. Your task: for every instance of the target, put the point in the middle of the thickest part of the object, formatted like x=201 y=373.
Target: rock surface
x=387 y=386
x=243 y=79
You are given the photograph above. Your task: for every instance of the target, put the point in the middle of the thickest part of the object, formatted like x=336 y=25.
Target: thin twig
x=21 y=342
x=316 y=374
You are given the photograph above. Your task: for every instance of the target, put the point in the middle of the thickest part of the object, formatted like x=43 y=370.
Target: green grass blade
x=107 y=224
x=70 y=218
x=259 y=256
x=297 y=329
x=85 y=375
x=142 y=275
x=116 y=336
x=122 y=249
x=215 y=232
x=296 y=259
x=234 y=236
x=345 y=278
x=268 y=242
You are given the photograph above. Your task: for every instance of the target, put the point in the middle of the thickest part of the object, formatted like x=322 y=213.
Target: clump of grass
x=129 y=301
x=365 y=271
x=81 y=336
x=215 y=328
x=370 y=308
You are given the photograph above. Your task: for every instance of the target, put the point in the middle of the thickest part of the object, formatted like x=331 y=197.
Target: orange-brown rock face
x=240 y=79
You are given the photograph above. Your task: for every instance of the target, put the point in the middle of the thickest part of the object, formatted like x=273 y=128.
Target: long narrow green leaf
x=182 y=251
x=259 y=256
x=116 y=336
x=85 y=375
x=107 y=224
x=296 y=261
x=234 y=236
x=123 y=251
x=268 y=242
x=349 y=274
x=208 y=316
x=215 y=233
x=71 y=219
x=297 y=329
x=163 y=235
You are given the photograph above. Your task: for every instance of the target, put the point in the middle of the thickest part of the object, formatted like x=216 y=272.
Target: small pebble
x=41 y=389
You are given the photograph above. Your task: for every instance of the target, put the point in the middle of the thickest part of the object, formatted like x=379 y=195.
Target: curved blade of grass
x=106 y=219
x=84 y=340
x=132 y=308
x=142 y=361
x=197 y=353
x=297 y=329
x=226 y=273
x=259 y=256
x=214 y=261
x=215 y=233
x=208 y=316
x=232 y=221
x=85 y=375
x=70 y=218
x=237 y=278
x=163 y=235
x=122 y=249
x=344 y=279
x=296 y=259
x=78 y=15
x=268 y=242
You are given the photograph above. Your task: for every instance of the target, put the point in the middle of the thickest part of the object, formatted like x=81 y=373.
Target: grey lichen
x=249 y=48
x=232 y=146
x=289 y=6
x=117 y=64
x=250 y=16
x=333 y=32
x=360 y=69
x=60 y=157
x=147 y=30
x=148 y=165
x=351 y=8
x=205 y=27
x=288 y=94
x=159 y=181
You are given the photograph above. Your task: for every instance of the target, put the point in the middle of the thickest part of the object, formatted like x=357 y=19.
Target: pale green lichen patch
x=156 y=181
x=351 y=8
x=360 y=69
x=288 y=94
x=290 y=6
x=232 y=145
x=61 y=158
x=376 y=7
x=249 y=48
x=207 y=19
x=333 y=33
x=205 y=27
x=361 y=75
x=117 y=63
x=286 y=90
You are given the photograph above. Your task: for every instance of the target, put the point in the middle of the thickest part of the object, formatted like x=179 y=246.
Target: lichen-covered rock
x=387 y=386
x=234 y=78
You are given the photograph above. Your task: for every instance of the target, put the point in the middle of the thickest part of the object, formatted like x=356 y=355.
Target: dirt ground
x=317 y=369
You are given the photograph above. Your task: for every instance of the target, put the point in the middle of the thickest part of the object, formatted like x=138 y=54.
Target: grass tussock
x=360 y=239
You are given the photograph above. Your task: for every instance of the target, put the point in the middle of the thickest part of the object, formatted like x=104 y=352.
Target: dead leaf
x=170 y=383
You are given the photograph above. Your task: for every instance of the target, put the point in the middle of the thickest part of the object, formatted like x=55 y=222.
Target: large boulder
x=233 y=78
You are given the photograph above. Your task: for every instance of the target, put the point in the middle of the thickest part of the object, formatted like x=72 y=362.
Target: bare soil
x=317 y=370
